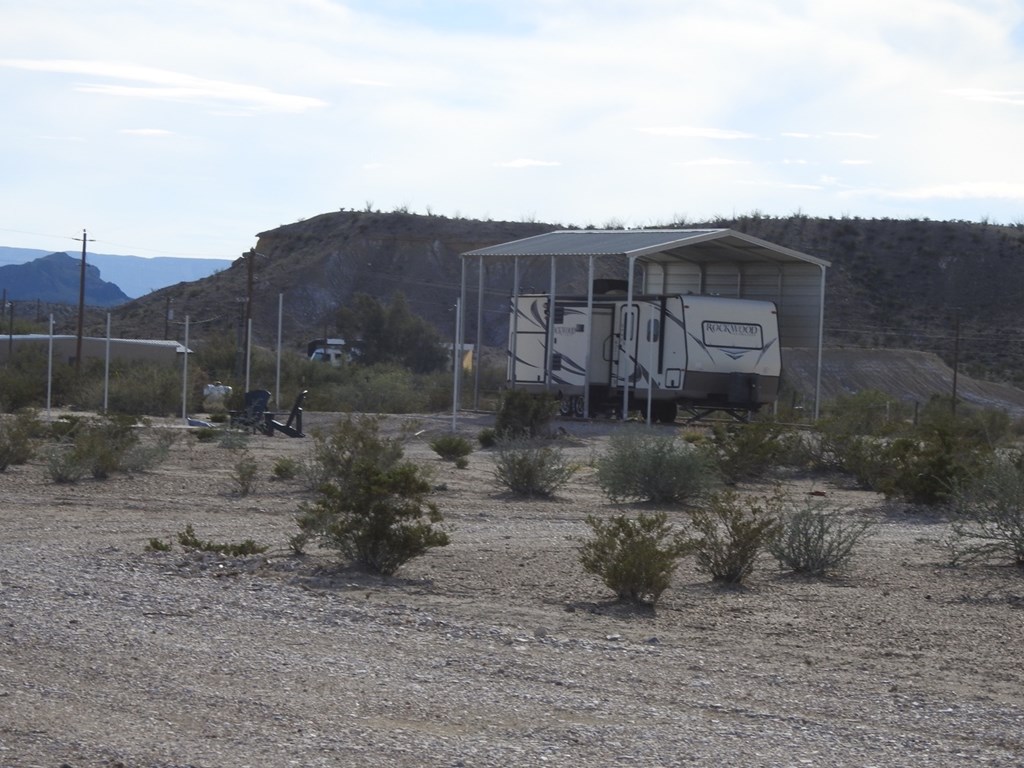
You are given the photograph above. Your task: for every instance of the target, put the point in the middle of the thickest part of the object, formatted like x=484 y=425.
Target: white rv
x=696 y=352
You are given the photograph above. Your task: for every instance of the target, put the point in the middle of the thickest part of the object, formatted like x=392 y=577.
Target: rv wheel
x=578 y=407
x=666 y=411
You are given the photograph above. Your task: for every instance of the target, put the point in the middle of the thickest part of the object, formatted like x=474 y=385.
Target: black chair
x=252 y=416
x=293 y=427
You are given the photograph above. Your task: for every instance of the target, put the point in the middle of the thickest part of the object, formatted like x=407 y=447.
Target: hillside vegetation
x=894 y=284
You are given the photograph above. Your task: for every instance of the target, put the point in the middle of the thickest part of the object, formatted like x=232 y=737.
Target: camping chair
x=293 y=427
x=252 y=416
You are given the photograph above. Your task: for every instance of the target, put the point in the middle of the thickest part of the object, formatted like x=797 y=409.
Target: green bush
x=63 y=465
x=634 y=557
x=188 y=539
x=151 y=451
x=16 y=434
x=372 y=504
x=643 y=465
x=451 y=447
x=531 y=467
x=138 y=389
x=245 y=473
x=816 y=542
x=487 y=438
x=732 y=532
x=205 y=434
x=522 y=415
x=989 y=510
x=923 y=463
x=286 y=468
x=748 y=451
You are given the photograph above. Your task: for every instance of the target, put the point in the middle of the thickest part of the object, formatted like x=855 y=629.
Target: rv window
x=653 y=329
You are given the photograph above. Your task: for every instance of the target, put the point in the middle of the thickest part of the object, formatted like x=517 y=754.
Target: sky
x=181 y=128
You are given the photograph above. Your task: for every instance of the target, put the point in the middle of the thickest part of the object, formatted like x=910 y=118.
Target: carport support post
x=478 y=351
x=821 y=333
x=184 y=377
x=589 y=336
x=623 y=350
x=549 y=348
x=514 y=334
x=455 y=364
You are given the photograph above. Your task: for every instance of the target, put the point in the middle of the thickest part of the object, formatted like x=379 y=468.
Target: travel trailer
x=658 y=353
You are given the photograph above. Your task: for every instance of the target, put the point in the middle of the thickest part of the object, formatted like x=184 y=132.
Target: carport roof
x=698 y=245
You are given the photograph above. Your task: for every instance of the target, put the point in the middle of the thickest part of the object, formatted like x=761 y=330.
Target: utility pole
x=956 y=354
x=250 y=257
x=168 y=316
x=81 y=306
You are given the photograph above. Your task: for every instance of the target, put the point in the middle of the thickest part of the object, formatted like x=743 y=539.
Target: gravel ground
x=497 y=650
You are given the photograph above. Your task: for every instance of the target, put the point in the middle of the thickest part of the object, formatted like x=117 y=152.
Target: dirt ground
x=497 y=650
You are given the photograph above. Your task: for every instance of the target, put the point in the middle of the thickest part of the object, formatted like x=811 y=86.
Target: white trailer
x=656 y=353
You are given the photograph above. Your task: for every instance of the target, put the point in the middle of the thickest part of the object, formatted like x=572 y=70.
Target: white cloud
x=1013 y=98
x=166 y=85
x=966 y=190
x=145 y=132
x=712 y=161
x=523 y=162
x=693 y=132
x=852 y=135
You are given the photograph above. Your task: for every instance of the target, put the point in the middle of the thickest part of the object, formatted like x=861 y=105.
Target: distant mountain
x=57 y=278
x=134 y=275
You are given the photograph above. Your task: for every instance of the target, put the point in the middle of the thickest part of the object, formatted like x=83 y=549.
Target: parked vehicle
x=699 y=353
x=333 y=351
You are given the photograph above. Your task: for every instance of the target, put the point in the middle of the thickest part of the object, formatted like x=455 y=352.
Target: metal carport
x=719 y=262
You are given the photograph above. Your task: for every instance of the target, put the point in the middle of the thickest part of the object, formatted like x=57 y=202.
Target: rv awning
x=696 y=245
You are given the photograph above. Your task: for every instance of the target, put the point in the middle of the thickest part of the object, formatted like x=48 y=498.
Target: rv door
x=624 y=347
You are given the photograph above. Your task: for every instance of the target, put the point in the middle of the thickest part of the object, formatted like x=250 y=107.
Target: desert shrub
x=732 y=532
x=158 y=545
x=817 y=542
x=101 y=447
x=63 y=465
x=233 y=439
x=16 y=436
x=286 y=468
x=245 y=473
x=634 y=557
x=451 y=447
x=522 y=415
x=642 y=465
x=922 y=463
x=150 y=451
x=748 y=451
x=372 y=505
x=926 y=469
x=531 y=467
x=487 y=438
x=138 y=388
x=23 y=380
x=205 y=434
x=188 y=539
x=989 y=514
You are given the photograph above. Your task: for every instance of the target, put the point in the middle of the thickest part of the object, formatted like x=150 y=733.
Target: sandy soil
x=497 y=650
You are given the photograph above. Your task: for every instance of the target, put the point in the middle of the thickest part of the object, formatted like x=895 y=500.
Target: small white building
x=95 y=348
